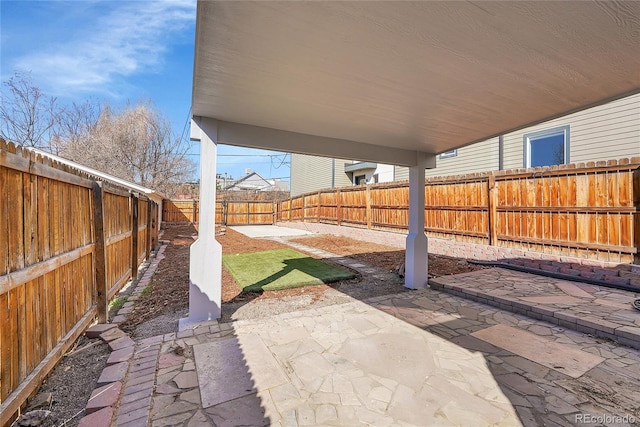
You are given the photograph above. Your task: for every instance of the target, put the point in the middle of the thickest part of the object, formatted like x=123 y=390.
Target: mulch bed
x=384 y=256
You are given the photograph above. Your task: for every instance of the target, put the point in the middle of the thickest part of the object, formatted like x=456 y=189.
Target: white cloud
x=124 y=39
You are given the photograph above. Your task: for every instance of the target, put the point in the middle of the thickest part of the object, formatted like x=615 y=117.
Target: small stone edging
x=623 y=334
x=126 y=384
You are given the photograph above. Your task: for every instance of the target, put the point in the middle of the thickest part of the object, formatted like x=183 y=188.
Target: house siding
x=480 y=157
x=608 y=131
x=341 y=177
x=312 y=173
x=400 y=173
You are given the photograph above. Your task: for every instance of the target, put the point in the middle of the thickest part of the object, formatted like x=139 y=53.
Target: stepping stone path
x=127 y=382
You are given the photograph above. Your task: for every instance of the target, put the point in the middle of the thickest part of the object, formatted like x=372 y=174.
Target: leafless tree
x=27 y=116
x=135 y=144
x=76 y=121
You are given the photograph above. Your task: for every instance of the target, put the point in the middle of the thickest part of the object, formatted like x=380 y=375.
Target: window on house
x=547 y=147
x=447 y=154
x=359 y=179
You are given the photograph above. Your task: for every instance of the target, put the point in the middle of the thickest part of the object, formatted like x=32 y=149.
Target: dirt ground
x=157 y=312
x=384 y=256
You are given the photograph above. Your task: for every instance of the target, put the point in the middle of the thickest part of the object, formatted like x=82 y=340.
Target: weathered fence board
x=228 y=212
x=585 y=210
x=179 y=211
x=247 y=212
x=52 y=283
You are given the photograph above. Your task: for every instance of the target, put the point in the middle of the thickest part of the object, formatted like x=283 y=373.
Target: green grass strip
x=280 y=269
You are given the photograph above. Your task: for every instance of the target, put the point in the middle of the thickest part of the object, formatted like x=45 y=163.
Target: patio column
x=205 y=256
x=416 y=251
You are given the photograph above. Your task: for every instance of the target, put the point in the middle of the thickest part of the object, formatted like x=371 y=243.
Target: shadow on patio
x=336 y=356
x=428 y=358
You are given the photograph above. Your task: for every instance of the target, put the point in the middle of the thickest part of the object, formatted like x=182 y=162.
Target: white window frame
x=532 y=136
x=448 y=154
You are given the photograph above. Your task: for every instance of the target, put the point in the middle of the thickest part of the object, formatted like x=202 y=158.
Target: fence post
x=636 y=215
x=289 y=210
x=101 y=292
x=134 y=237
x=274 y=210
x=338 y=207
x=148 y=242
x=224 y=212
x=194 y=210
x=368 y=203
x=318 y=209
x=492 y=198
x=304 y=208
x=154 y=225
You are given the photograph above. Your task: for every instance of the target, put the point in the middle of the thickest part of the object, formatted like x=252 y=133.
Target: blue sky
x=116 y=51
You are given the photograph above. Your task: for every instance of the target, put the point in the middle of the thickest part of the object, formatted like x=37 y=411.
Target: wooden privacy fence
x=67 y=244
x=228 y=212
x=585 y=210
x=245 y=212
x=179 y=211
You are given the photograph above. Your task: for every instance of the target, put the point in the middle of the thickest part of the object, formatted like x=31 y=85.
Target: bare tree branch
x=27 y=116
x=135 y=144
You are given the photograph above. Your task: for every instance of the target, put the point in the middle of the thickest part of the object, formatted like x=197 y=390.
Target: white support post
x=416 y=252
x=205 y=262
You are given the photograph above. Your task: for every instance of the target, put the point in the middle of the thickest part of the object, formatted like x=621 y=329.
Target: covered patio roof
x=412 y=76
x=392 y=82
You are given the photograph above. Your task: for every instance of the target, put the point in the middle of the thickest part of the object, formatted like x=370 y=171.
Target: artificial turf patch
x=280 y=269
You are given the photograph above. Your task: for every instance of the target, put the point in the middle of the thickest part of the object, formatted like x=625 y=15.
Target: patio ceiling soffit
x=383 y=81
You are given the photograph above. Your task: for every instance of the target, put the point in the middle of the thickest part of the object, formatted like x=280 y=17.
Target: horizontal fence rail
x=228 y=212
x=587 y=210
x=582 y=210
x=179 y=211
x=66 y=244
x=247 y=212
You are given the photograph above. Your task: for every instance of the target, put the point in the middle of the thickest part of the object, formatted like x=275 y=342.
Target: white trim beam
x=292 y=142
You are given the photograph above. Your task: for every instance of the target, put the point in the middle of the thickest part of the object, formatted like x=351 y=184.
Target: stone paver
x=186 y=380
x=113 y=373
x=125 y=393
x=95 y=330
x=416 y=358
x=121 y=343
x=122 y=355
x=103 y=397
x=138 y=387
x=112 y=335
x=592 y=309
x=342 y=371
x=101 y=418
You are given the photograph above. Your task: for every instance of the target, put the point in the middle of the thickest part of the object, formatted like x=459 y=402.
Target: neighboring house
x=254 y=182
x=608 y=131
x=223 y=181
x=314 y=173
